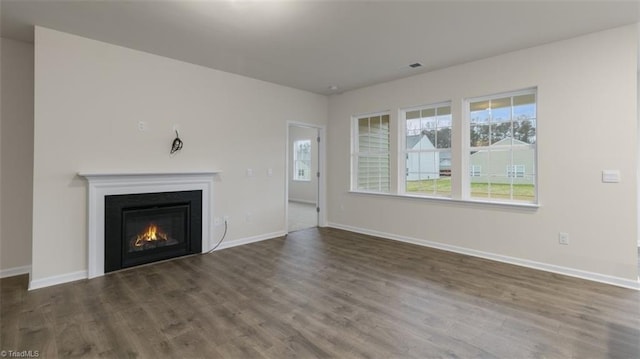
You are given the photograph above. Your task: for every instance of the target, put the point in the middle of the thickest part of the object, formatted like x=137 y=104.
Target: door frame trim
x=322 y=184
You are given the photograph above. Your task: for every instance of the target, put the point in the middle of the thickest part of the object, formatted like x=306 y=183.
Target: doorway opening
x=303 y=176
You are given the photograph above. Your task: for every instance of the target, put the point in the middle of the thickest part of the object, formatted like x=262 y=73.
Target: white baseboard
x=57 y=279
x=596 y=277
x=243 y=241
x=10 y=272
x=301 y=201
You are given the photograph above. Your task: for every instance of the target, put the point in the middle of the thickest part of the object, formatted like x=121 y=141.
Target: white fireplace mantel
x=114 y=183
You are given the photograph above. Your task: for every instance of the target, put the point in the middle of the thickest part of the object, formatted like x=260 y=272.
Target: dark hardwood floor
x=323 y=293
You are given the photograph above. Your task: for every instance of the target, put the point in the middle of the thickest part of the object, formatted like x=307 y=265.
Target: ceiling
x=314 y=45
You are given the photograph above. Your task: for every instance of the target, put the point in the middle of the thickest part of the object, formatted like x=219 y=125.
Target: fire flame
x=150 y=234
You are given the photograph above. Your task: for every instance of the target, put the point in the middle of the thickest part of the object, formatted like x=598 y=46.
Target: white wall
x=586 y=123
x=302 y=191
x=16 y=152
x=89 y=97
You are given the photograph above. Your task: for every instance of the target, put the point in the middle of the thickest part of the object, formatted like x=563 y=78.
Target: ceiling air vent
x=415 y=65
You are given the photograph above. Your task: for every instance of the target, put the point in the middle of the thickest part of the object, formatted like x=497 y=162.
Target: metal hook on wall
x=177 y=144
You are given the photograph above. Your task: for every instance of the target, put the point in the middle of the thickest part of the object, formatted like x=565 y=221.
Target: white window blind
x=371 y=154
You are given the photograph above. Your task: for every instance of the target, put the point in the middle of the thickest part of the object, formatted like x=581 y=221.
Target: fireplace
x=105 y=184
x=142 y=228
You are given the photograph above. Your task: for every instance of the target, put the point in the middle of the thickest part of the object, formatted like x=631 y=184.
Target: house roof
x=505 y=142
x=413 y=140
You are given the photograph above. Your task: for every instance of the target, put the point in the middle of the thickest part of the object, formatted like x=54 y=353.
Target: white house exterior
x=422 y=165
x=504 y=162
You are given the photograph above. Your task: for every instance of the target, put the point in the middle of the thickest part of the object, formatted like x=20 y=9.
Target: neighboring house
x=422 y=165
x=500 y=165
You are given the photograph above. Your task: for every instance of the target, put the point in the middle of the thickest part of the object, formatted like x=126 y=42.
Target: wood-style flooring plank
x=323 y=293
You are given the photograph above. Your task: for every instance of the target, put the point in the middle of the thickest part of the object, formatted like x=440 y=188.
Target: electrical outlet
x=563 y=238
x=225 y=219
x=142 y=126
x=248 y=217
x=217 y=221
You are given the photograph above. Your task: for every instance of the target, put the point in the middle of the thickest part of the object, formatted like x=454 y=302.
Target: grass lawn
x=442 y=187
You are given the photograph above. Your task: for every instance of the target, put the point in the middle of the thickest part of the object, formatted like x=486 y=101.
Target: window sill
x=517 y=205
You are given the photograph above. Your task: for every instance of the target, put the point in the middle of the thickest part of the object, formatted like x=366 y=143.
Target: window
x=302 y=160
x=488 y=154
x=476 y=170
x=370 y=153
x=427 y=150
x=515 y=171
x=502 y=134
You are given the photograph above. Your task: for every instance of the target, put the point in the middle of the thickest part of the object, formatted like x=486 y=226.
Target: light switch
x=610 y=176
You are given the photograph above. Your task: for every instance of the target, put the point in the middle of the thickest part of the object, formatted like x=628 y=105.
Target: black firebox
x=147 y=227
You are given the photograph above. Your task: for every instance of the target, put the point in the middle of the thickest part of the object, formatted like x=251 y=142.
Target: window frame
x=403 y=151
x=460 y=149
x=467 y=148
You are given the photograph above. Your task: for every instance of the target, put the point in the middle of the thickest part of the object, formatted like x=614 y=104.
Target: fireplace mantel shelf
x=97 y=174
